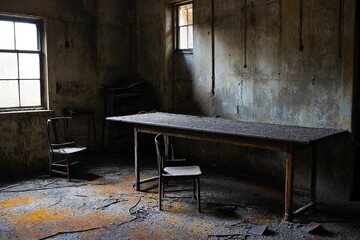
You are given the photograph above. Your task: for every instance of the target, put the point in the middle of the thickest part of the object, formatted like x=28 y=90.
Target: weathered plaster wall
x=116 y=39
x=260 y=72
x=92 y=42
x=269 y=64
x=23 y=144
x=151 y=45
x=89 y=43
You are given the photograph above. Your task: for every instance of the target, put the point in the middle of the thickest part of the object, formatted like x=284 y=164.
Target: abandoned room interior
x=255 y=101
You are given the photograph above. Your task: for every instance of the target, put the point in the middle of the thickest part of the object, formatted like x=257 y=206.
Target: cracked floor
x=101 y=203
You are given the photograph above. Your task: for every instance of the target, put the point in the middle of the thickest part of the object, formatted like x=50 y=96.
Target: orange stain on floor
x=110 y=188
x=16 y=202
x=179 y=208
x=41 y=222
x=128 y=178
x=126 y=188
x=173 y=220
x=38 y=215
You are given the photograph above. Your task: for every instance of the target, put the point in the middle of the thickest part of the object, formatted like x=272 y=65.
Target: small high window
x=20 y=63
x=184 y=21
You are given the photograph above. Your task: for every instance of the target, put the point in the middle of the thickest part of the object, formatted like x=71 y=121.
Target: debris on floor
x=259 y=230
x=102 y=204
x=314 y=228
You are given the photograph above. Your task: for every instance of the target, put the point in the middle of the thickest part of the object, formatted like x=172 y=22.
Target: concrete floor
x=101 y=203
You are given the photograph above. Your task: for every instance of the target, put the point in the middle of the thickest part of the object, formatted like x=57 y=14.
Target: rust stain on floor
x=37 y=216
x=108 y=189
x=15 y=202
x=178 y=207
x=173 y=220
x=128 y=178
x=40 y=223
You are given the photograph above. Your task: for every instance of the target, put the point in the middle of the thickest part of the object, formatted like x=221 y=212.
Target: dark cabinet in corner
x=130 y=98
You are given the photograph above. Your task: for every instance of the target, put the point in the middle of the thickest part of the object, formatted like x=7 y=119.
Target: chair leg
x=164 y=183
x=194 y=188
x=161 y=186
x=68 y=167
x=198 y=193
x=94 y=130
x=50 y=163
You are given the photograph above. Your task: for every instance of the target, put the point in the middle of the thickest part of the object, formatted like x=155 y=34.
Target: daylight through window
x=20 y=63
x=185 y=26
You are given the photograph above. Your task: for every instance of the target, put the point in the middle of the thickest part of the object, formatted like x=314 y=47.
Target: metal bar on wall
x=245 y=34
x=301 y=16
x=341 y=8
x=212 y=48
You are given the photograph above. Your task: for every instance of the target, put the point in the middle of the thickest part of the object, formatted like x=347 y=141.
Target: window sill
x=14 y=114
x=185 y=51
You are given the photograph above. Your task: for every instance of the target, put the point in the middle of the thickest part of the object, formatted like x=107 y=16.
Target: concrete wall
x=260 y=72
x=151 y=45
x=93 y=42
x=89 y=43
x=270 y=61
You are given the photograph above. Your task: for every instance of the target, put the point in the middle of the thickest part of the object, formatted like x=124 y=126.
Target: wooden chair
x=169 y=155
x=61 y=146
x=170 y=172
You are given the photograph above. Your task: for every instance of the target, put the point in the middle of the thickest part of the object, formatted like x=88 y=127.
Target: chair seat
x=182 y=171
x=69 y=150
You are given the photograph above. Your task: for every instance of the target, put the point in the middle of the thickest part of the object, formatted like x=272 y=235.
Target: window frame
x=39 y=22
x=177 y=27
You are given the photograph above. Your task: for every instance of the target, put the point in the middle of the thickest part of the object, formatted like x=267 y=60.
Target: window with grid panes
x=20 y=63
x=184 y=21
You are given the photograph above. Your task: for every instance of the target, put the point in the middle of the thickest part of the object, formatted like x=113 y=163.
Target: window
x=20 y=63
x=184 y=30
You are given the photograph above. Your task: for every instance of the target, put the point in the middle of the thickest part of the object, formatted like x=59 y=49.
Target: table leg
x=289 y=182
x=313 y=172
x=289 y=213
x=136 y=156
x=88 y=129
x=94 y=129
x=138 y=179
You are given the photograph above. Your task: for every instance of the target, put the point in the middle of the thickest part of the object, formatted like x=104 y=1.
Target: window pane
x=30 y=94
x=190 y=37
x=9 y=96
x=26 y=36
x=8 y=66
x=182 y=15
x=190 y=16
x=185 y=27
x=183 y=38
x=7 y=35
x=29 y=65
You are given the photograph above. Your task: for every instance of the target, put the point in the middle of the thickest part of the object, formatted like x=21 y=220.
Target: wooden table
x=274 y=137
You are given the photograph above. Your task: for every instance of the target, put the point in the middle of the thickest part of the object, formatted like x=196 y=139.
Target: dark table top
x=278 y=132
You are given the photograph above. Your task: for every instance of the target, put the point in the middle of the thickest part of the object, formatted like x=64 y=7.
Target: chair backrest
x=168 y=148
x=58 y=132
x=160 y=149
